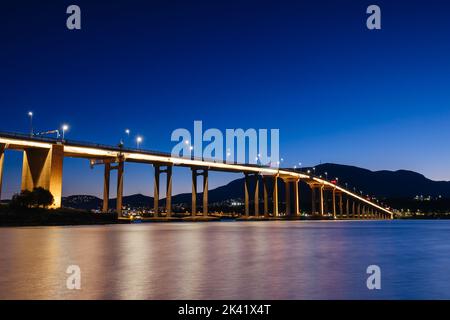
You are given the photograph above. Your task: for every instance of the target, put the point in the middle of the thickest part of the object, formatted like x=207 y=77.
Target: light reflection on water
x=228 y=260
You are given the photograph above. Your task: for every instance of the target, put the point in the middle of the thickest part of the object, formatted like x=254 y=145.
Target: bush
x=38 y=198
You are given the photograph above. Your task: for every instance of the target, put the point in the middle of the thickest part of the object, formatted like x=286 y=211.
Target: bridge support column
x=347 y=207
x=44 y=168
x=354 y=214
x=194 y=193
x=205 y=193
x=358 y=211
x=341 y=206
x=2 y=157
x=246 y=196
x=119 y=202
x=266 y=197
x=296 y=199
x=195 y=174
x=287 y=193
x=106 y=185
x=169 y=191
x=275 y=196
x=156 y=190
x=321 y=201
x=313 y=200
x=256 y=195
x=334 y=203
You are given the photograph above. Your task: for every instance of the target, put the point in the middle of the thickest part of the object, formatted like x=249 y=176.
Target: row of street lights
x=139 y=138
x=64 y=127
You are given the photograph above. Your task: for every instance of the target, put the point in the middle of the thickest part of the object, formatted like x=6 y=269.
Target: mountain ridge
x=383 y=184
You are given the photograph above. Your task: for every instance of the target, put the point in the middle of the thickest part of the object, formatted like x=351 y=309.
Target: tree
x=42 y=197
x=22 y=200
x=39 y=197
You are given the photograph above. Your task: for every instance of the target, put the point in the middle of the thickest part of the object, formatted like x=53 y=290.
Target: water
x=228 y=260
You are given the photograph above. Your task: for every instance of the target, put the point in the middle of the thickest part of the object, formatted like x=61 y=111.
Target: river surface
x=228 y=260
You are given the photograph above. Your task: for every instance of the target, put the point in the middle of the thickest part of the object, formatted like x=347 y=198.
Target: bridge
x=43 y=159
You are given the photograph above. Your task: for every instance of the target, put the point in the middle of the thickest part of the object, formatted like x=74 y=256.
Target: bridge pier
x=44 y=168
x=313 y=200
x=168 y=191
x=296 y=199
x=246 y=196
x=256 y=198
x=194 y=193
x=325 y=201
x=275 y=196
x=119 y=204
x=347 y=207
x=266 y=197
x=321 y=201
x=195 y=174
x=156 y=187
x=341 y=206
x=334 y=203
x=156 y=190
x=287 y=193
x=2 y=157
x=205 y=192
x=354 y=214
x=106 y=185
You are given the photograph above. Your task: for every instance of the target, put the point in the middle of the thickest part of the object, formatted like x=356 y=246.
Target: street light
x=30 y=114
x=138 y=141
x=65 y=127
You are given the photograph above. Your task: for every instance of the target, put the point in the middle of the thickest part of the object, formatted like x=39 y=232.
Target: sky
x=338 y=92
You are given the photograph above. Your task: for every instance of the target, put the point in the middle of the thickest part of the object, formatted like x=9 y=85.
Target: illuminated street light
x=30 y=114
x=65 y=127
x=138 y=141
x=127 y=131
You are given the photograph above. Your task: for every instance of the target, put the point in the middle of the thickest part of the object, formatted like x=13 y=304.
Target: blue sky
x=337 y=91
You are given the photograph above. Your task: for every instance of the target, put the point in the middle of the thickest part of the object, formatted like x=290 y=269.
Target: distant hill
x=386 y=184
x=382 y=184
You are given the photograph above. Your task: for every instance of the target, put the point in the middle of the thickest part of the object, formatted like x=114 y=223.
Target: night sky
x=337 y=91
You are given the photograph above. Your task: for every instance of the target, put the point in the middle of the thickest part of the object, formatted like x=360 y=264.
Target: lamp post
x=138 y=141
x=30 y=114
x=65 y=127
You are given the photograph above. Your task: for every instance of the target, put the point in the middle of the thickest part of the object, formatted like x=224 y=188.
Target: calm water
x=228 y=260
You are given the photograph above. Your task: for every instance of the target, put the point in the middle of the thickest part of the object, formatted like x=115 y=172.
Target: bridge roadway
x=43 y=164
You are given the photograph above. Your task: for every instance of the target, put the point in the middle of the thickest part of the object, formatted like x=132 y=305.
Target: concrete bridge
x=43 y=167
